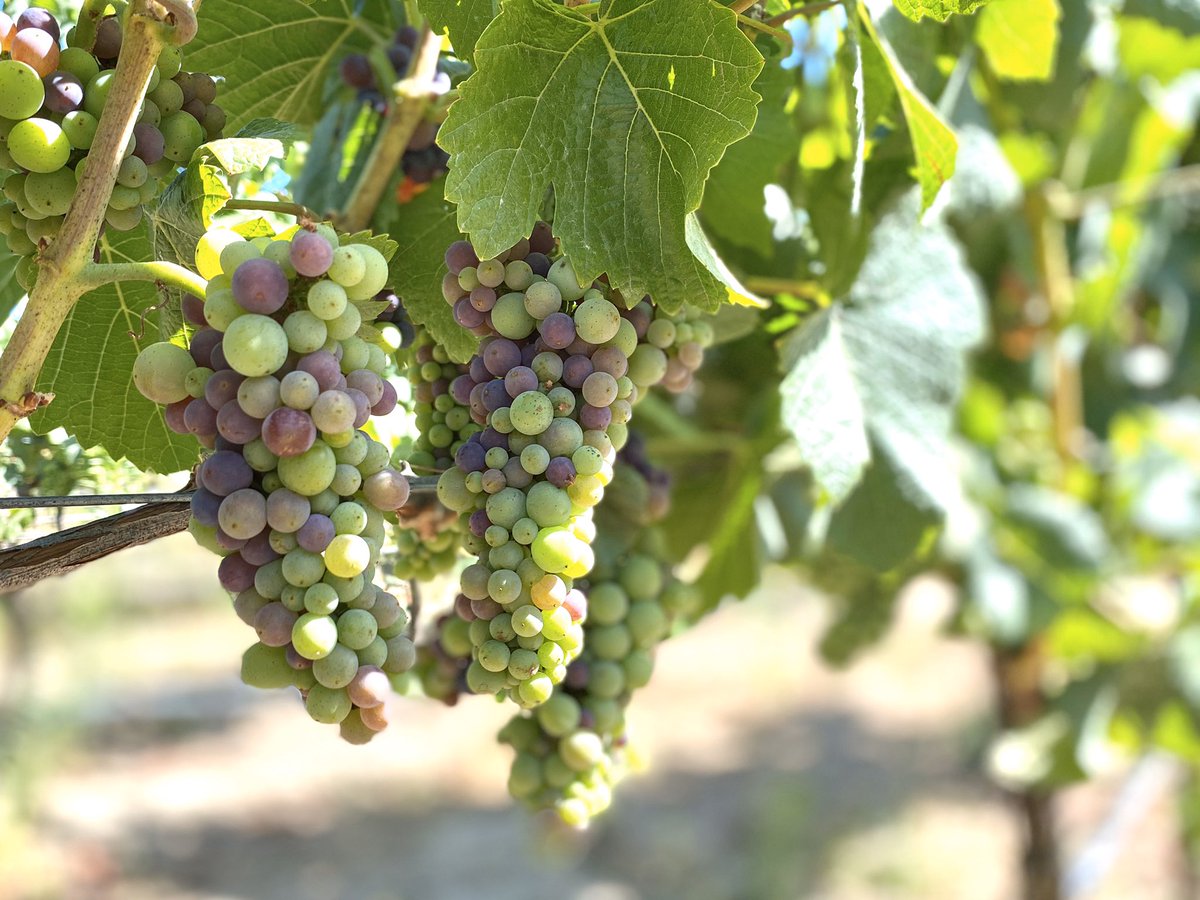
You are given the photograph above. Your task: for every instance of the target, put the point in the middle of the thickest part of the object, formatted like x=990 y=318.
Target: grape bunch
x=574 y=748
x=278 y=383
x=444 y=421
x=51 y=100
x=423 y=160
x=552 y=386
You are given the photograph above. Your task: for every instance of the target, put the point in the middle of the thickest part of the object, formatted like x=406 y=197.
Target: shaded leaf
x=1020 y=38
x=463 y=20
x=940 y=10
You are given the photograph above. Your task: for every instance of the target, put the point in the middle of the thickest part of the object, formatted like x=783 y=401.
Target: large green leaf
x=734 y=207
x=624 y=116
x=424 y=228
x=89 y=370
x=937 y=9
x=275 y=54
x=883 y=368
x=463 y=20
x=10 y=292
x=1149 y=48
x=934 y=144
x=1020 y=38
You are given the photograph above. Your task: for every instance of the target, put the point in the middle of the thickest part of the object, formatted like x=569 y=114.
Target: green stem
x=740 y=6
x=58 y=286
x=807 y=290
x=95 y=275
x=586 y=9
x=808 y=9
x=411 y=100
x=279 y=207
x=766 y=28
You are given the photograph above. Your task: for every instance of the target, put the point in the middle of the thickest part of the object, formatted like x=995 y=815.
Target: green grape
x=510 y=318
x=327 y=705
x=303 y=568
x=208 y=250
x=327 y=300
x=337 y=669
x=255 y=345
x=597 y=321
x=348 y=266
x=182 y=134
x=347 y=555
x=305 y=332
x=494 y=656
x=21 y=90
x=532 y=412
x=357 y=628
x=79 y=63
x=51 y=193
x=314 y=636
x=160 y=372
x=266 y=667
x=39 y=145
x=310 y=472
x=375 y=276
x=95 y=94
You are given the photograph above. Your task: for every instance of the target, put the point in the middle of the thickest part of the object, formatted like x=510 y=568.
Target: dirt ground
x=139 y=767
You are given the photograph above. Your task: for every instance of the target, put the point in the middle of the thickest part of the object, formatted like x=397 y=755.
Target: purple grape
x=175 y=416
x=578 y=676
x=479 y=523
x=368 y=382
x=528 y=353
x=225 y=472
x=193 y=309
x=490 y=438
x=356 y=71
x=462 y=608
x=541 y=240
x=287 y=511
x=387 y=401
x=519 y=250
x=495 y=396
x=109 y=38
x=460 y=389
x=315 y=534
x=610 y=360
x=501 y=355
x=451 y=289
x=557 y=330
x=539 y=262
x=64 y=92
x=311 y=254
x=203 y=342
x=203 y=87
x=235 y=574
x=218 y=360
x=478 y=371
x=519 y=380
x=362 y=407
x=399 y=56
x=258 y=550
x=260 y=286
x=486 y=609
x=576 y=369
x=197 y=109
x=42 y=19
x=469 y=458
x=460 y=255
x=483 y=299
x=149 y=144
x=407 y=36
x=580 y=347
x=204 y=507
x=425 y=353
x=641 y=316
x=467 y=315
x=323 y=366
x=387 y=490
x=288 y=432
x=237 y=425
x=222 y=387
x=515 y=474
x=561 y=472
x=201 y=419
x=595 y=418
x=295 y=660
x=224 y=444
x=494 y=481
x=274 y=623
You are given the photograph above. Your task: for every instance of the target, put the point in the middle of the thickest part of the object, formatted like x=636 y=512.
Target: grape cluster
x=552 y=387
x=444 y=423
x=278 y=383
x=51 y=99
x=423 y=160
x=574 y=748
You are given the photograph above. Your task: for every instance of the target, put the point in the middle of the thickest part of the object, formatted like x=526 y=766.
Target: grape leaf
x=940 y=10
x=275 y=55
x=934 y=144
x=734 y=208
x=89 y=370
x=1149 y=48
x=463 y=20
x=10 y=292
x=1020 y=38
x=624 y=116
x=423 y=229
x=883 y=367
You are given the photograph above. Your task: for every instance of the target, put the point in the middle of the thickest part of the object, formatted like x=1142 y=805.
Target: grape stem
x=808 y=9
x=280 y=207
x=60 y=266
x=740 y=6
x=412 y=96
x=766 y=28
x=95 y=275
